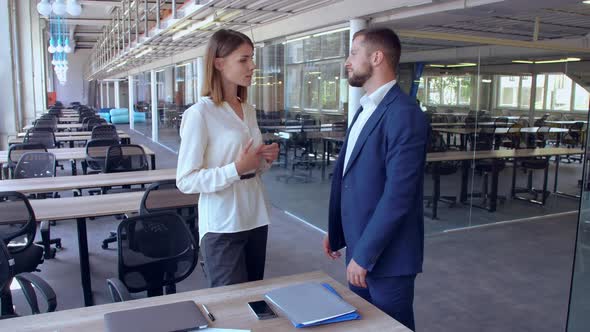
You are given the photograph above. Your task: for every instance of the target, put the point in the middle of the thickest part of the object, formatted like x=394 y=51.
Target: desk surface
x=73 y=133
x=500 y=154
x=60 y=126
x=61 y=183
x=228 y=304
x=65 y=138
x=498 y=131
x=68 y=153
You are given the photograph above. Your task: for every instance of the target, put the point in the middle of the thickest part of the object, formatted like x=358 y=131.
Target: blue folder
x=351 y=316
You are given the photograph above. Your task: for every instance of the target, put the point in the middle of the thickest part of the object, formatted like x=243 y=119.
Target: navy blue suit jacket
x=376 y=208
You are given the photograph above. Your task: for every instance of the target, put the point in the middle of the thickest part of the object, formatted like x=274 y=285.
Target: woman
x=221 y=156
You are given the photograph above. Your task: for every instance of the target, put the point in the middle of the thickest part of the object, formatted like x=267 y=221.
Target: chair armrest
x=26 y=281
x=118 y=290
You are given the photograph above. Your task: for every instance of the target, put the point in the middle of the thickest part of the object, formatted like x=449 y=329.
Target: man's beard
x=358 y=79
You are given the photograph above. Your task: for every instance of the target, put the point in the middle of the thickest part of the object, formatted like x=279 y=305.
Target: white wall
x=75 y=88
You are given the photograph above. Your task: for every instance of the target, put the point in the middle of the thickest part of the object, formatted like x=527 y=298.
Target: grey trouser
x=233 y=258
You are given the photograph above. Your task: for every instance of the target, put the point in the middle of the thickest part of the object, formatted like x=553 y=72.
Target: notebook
x=178 y=316
x=311 y=304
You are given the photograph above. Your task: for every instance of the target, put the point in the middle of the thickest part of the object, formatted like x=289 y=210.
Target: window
x=581 y=99
x=559 y=92
x=540 y=92
x=445 y=90
x=525 y=91
x=314 y=77
x=508 y=91
x=464 y=90
x=434 y=90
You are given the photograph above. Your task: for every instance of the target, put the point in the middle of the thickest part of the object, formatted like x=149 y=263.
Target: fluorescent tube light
x=199 y=25
x=329 y=32
x=144 y=52
x=547 y=61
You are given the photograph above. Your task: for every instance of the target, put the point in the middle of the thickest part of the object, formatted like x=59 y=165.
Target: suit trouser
x=393 y=295
x=233 y=258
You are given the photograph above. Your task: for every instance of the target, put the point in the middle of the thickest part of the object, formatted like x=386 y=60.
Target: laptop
x=178 y=316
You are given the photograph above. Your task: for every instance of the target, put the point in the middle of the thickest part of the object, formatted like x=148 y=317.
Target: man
x=376 y=209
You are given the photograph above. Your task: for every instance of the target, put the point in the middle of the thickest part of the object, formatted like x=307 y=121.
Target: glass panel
x=582 y=98
x=559 y=92
x=143 y=123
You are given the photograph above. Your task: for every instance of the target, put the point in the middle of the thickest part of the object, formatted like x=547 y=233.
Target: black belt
x=247 y=176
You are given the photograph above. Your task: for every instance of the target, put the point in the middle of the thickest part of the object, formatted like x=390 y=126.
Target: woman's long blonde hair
x=222 y=43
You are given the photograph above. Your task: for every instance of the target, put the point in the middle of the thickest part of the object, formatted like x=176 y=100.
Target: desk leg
x=84 y=261
x=464 y=180
x=494 y=193
x=557 y=158
x=513 y=188
x=73 y=165
x=436 y=194
x=153 y=161
x=72 y=144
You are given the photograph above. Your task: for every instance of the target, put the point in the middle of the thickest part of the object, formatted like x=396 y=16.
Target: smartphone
x=262 y=310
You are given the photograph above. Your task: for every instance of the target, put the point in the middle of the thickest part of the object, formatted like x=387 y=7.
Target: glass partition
x=143 y=124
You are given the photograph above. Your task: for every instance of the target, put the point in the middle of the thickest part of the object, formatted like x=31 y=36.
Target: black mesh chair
x=484 y=141
x=156 y=250
x=28 y=282
x=96 y=153
x=93 y=122
x=47 y=138
x=573 y=139
x=17 y=231
x=123 y=158
x=40 y=165
x=512 y=138
x=48 y=124
x=16 y=151
x=438 y=169
x=105 y=131
x=529 y=165
x=165 y=196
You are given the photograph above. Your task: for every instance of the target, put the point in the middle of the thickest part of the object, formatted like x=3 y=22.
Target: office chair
x=123 y=158
x=573 y=138
x=529 y=165
x=96 y=153
x=105 y=131
x=484 y=141
x=93 y=122
x=17 y=231
x=438 y=169
x=155 y=250
x=47 y=138
x=15 y=151
x=40 y=165
x=165 y=196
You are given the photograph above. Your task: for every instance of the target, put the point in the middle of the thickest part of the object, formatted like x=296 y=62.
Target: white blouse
x=211 y=139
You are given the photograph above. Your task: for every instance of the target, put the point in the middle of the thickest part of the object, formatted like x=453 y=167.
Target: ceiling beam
x=553 y=46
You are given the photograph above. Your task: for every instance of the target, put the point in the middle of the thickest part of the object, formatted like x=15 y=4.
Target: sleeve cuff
x=231 y=172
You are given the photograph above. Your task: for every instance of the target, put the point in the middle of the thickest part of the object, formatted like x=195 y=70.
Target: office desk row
x=74 y=154
x=125 y=139
x=228 y=304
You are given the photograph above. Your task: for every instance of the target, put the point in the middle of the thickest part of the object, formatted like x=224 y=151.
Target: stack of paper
x=311 y=304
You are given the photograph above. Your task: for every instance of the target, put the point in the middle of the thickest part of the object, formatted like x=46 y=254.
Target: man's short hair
x=382 y=39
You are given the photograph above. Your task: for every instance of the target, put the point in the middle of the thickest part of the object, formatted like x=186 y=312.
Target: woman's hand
x=269 y=152
x=248 y=159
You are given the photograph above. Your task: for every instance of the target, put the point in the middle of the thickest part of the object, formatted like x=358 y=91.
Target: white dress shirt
x=369 y=104
x=211 y=139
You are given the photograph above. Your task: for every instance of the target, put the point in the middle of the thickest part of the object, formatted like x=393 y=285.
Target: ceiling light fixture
x=547 y=61
x=199 y=25
x=142 y=53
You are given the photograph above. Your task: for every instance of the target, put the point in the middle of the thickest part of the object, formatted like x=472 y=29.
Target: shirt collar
x=375 y=98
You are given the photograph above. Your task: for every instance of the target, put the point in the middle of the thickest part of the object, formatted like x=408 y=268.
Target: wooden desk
x=74 y=154
x=463 y=132
x=228 y=304
x=63 y=183
x=60 y=126
x=82 y=207
x=71 y=139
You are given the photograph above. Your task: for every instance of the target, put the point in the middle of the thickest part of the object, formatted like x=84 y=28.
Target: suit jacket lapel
x=370 y=125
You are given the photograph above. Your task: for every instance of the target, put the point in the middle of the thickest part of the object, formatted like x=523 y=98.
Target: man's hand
x=331 y=254
x=356 y=274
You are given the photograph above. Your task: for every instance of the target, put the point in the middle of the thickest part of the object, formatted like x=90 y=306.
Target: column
x=101 y=94
x=355 y=94
x=155 y=119
x=200 y=76
x=131 y=101
x=108 y=94
x=533 y=97
x=117 y=103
